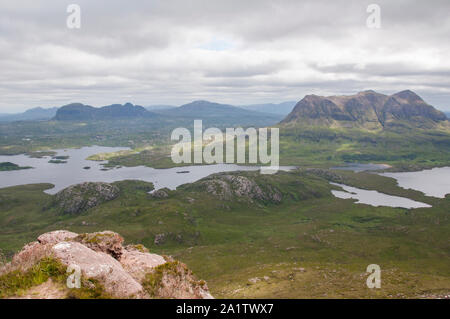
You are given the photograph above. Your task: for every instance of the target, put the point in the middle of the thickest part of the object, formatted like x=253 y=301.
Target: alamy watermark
x=74 y=279
x=374 y=19
x=208 y=146
x=74 y=19
x=374 y=279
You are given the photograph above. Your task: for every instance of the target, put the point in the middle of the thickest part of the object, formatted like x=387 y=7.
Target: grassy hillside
x=404 y=149
x=309 y=244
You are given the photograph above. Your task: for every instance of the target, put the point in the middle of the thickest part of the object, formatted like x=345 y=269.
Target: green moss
x=93 y=238
x=153 y=280
x=140 y=248
x=90 y=289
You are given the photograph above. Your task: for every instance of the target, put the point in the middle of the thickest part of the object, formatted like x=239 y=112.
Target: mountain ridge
x=33 y=114
x=366 y=109
x=79 y=111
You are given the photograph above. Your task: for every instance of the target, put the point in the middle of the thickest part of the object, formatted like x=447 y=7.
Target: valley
x=248 y=235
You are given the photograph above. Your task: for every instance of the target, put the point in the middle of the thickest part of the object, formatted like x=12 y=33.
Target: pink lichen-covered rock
x=56 y=236
x=137 y=263
x=30 y=254
x=106 y=241
x=100 y=266
x=121 y=271
x=178 y=282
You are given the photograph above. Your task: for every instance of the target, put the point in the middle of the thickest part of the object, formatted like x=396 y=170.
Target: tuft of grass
x=90 y=289
x=153 y=281
x=16 y=282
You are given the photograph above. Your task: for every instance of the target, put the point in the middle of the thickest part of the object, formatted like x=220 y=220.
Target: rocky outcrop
x=368 y=109
x=56 y=236
x=138 y=263
x=161 y=193
x=78 y=198
x=121 y=272
x=107 y=242
x=99 y=266
x=174 y=280
x=232 y=186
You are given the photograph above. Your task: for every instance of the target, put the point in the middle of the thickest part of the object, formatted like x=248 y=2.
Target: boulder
x=174 y=280
x=55 y=237
x=100 y=266
x=137 y=263
x=107 y=241
x=160 y=193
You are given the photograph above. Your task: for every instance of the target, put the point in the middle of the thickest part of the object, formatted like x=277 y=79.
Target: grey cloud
x=150 y=52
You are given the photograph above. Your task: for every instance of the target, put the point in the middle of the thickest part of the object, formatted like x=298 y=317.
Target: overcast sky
x=229 y=51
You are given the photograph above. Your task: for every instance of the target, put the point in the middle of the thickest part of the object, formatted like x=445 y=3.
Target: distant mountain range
x=206 y=109
x=368 y=109
x=283 y=108
x=35 y=114
x=81 y=112
x=214 y=114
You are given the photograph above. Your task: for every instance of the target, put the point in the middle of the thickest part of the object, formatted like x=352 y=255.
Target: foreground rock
x=107 y=269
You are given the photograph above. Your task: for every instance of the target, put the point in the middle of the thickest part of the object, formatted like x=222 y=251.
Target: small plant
x=15 y=282
x=90 y=289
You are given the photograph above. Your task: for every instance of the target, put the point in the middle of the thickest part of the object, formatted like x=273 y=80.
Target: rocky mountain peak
x=367 y=109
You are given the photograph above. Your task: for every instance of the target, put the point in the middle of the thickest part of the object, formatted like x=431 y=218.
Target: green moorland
x=309 y=245
x=405 y=148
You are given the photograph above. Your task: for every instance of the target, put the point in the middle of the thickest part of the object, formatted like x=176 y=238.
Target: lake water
x=358 y=167
x=72 y=172
x=375 y=198
x=432 y=182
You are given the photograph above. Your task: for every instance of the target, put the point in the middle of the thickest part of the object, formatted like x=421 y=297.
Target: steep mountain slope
x=368 y=109
x=81 y=112
x=283 y=108
x=34 y=114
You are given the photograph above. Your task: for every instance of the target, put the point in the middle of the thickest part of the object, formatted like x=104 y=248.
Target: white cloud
x=232 y=51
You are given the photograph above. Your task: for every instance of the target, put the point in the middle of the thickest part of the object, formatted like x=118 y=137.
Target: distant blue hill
x=81 y=112
x=35 y=114
x=283 y=108
x=221 y=114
